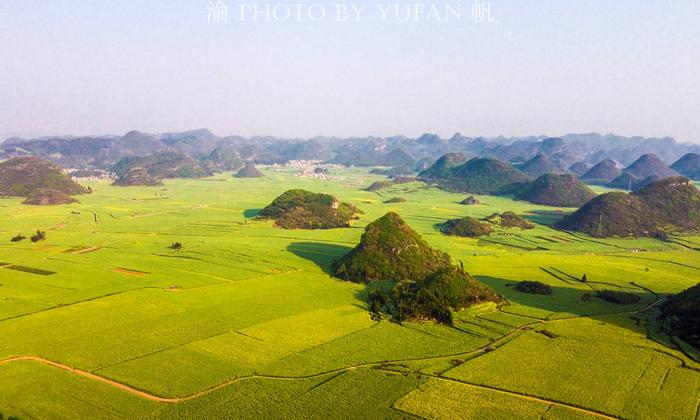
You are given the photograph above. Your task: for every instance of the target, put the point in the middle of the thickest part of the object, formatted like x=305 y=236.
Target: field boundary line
x=69 y=304
x=89 y=375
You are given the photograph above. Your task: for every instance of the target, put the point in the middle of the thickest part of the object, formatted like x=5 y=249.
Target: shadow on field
x=545 y=217
x=250 y=213
x=320 y=253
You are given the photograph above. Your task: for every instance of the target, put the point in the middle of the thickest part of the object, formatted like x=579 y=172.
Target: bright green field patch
x=592 y=365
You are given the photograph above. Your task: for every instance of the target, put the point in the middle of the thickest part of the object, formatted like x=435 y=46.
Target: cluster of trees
x=680 y=315
x=40 y=235
x=509 y=219
x=18 y=238
x=434 y=297
x=534 y=288
x=300 y=209
x=616 y=296
x=466 y=227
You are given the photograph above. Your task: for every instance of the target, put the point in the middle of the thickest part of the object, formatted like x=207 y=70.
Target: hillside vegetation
x=648 y=168
x=424 y=282
x=441 y=168
x=466 y=226
x=300 y=209
x=434 y=297
x=508 y=219
x=24 y=176
x=150 y=169
x=662 y=207
x=223 y=158
x=688 y=165
x=389 y=250
x=470 y=201
x=579 y=168
x=478 y=175
x=249 y=171
x=556 y=190
x=602 y=172
x=47 y=197
x=540 y=165
x=681 y=315
x=136 y=176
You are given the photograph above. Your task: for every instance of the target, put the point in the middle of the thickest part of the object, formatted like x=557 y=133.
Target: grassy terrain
x=245 y=320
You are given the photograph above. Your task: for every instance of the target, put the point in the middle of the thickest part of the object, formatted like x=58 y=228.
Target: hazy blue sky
x=543 y=67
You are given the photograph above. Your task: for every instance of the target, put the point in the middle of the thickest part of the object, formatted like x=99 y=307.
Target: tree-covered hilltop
x=137 y=176
x=540 y=165
x=644 y=170
x=249 y=171
x=579 y=168
x=508 y=219
x=470 y=201
x=223 y=158
x=300 y=209
x=467 y=227
x=478 y=175
x=555 y=190
x=24 y=176
x=681 y=315
x=660 y=208
x=442 y=167
x=688 y=165
x=389 y=249
x=424 y=282
x=150 y=169
x=602 y=172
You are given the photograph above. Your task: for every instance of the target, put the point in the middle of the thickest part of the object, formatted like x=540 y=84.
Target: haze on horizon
x=543 y=67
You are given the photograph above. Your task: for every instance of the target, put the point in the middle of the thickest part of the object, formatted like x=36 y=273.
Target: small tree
x=176 y=245
x=584 y=278
x=18 y=238
x=39 y=236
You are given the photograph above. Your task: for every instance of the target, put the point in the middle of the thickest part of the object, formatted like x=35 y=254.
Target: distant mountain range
x=535 y=154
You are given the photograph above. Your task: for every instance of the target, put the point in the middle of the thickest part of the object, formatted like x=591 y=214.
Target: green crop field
x=103 y=319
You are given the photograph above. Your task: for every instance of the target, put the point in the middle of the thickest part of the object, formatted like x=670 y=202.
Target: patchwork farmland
x=104 y=318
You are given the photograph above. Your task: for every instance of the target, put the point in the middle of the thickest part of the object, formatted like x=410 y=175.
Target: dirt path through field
x=89 y=375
